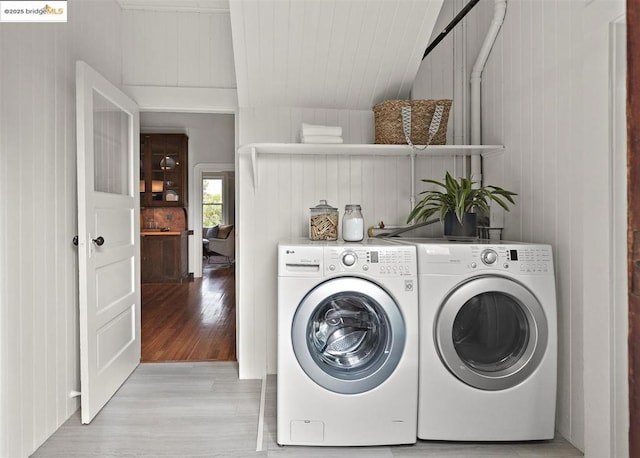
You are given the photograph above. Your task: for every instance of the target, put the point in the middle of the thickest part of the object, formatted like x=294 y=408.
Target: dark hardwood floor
x=191 y=321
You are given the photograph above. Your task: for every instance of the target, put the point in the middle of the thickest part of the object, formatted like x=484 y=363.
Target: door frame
x=196 y=205
x=161 y=99
x=618 y=420
x=633 y=221
x=194 y=100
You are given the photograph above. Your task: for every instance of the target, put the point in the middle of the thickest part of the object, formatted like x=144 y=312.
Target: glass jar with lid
x=323 y=222
x=352 y=223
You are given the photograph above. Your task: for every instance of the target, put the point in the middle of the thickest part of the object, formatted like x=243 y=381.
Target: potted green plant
x=457 y=204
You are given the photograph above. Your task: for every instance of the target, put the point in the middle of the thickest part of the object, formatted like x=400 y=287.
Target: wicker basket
x=388 y=122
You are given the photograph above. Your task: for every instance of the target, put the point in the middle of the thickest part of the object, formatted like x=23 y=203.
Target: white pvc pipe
x=499 y=11
x=412 y=198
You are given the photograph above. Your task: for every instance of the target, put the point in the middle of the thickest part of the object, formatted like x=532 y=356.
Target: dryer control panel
x=375 y=261
x=526 y=259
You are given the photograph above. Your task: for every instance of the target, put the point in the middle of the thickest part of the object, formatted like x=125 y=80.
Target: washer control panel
x=377 y=261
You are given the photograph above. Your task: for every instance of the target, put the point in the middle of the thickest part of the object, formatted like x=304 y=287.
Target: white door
x=108 y=241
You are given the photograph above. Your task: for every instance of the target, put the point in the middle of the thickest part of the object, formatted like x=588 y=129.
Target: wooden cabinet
x=163 y=170
x=164 y=258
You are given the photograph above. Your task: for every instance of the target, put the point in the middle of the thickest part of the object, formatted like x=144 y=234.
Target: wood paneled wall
x=38 y=263
x=552 y=110
x=443 y=73
x=348 y=55
x=288 y=185
x=178 y=48
x=282 y=124
x=278 y=209
x=546 y=97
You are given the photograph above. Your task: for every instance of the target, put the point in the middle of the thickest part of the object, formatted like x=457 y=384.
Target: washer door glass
x=348 y=335
x=491 y=333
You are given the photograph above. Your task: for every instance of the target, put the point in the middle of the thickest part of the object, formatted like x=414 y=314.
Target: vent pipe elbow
x=499 y=12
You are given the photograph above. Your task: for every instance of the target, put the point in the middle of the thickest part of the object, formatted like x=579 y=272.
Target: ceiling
x=341 y=54
x=203 y=6
x=344 y=54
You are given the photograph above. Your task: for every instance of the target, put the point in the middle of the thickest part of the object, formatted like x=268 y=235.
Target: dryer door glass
x=491 y=332
x=348 y=335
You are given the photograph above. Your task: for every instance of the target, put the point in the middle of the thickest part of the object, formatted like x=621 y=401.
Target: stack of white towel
x=320 y=134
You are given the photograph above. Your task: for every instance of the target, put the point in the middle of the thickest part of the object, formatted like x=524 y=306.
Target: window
x=212 y=201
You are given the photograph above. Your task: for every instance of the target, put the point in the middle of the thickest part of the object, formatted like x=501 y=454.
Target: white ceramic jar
x=352 y=223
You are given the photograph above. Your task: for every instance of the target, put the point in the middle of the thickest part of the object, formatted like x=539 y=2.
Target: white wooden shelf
x=367 y=149
x=347 y=149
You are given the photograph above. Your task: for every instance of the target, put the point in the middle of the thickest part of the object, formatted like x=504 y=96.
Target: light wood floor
x=191 y=321
x=203 y=410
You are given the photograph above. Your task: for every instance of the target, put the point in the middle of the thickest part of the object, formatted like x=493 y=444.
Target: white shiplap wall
x=282 y=124
x=546 y=98
x=177 y=49
x=320 y=64
x=277 y=208
x=436 y=78
x=328 y=54
x=553 y=114
x=38 y=263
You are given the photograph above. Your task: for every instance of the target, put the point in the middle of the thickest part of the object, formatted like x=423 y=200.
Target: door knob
x=99 y=241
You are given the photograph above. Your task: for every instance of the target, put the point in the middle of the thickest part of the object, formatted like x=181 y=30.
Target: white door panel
x=108 y=241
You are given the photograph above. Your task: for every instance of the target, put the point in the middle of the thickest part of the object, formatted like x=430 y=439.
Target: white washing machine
x=347 y=343
x=488 y=351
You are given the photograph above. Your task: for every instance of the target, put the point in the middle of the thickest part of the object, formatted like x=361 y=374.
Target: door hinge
x=635 y=264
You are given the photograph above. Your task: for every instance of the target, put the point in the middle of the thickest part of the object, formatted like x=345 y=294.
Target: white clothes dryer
x=488 y=352
x=347 y=343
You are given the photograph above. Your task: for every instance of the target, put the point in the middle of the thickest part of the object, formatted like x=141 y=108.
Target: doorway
x=194 y=320
x=215 y=209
